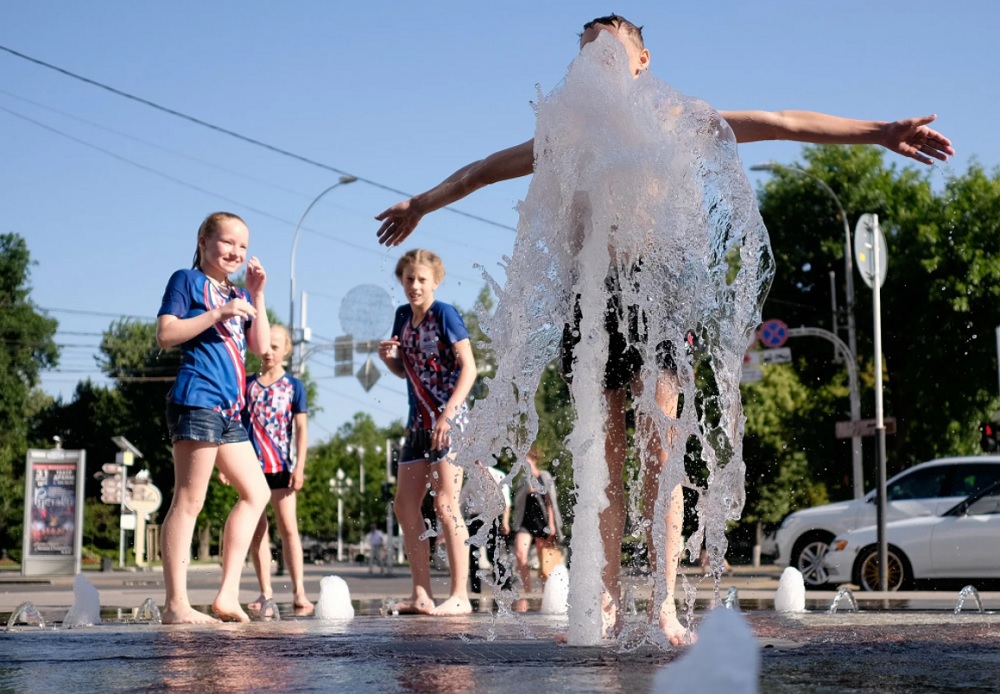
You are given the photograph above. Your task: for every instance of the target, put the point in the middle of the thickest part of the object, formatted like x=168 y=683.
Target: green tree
x=26 y=348
x=939 y=307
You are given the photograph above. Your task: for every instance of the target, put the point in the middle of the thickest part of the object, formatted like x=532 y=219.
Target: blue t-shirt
x=213 y=372
x=428 y=354
x=268 y=417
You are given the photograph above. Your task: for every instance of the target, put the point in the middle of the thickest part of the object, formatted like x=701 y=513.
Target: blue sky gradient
x=109 y=192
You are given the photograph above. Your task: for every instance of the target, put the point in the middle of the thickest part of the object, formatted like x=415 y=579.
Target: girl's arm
x=909 y=137
x=301 y=450
x=466 y=379
x=392 y=356
x=174 y=330
x=259 y=335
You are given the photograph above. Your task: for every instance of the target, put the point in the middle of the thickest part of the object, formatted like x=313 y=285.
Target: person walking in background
x=485 y=499
x=376 y=549
x=430 y=348
x=213 y=322
x=536 y=517
x=276 y=417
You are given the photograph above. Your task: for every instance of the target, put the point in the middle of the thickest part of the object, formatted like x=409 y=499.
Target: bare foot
x=302 y=605
x=229 y=611
x=677 y=634
x=453 y=606
x=186 y=615
x=258 y=604
x=303 y=611
x=416 y=604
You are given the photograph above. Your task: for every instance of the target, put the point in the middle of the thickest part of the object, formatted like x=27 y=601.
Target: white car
x=927 y=489
x=963 y=543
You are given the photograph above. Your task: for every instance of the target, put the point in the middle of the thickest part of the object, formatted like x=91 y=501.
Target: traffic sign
x=112 y=488
x=368 y=374
x=143 y=498
x=866 y=234
x=778 y=355
x=773 y=333
x=864 y=427
x=751 y=374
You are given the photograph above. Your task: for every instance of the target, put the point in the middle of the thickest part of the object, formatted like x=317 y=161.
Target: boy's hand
x=912 y=138
x=398 y=222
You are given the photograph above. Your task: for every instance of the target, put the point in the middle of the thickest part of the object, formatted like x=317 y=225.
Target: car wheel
x=866 y=569
x=807 y=557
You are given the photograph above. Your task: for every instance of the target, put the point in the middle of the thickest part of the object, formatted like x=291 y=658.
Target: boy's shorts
x=624 y=357
x=201 y=424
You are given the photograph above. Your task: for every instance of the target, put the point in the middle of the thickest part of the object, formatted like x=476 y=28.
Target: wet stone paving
x=809 y=652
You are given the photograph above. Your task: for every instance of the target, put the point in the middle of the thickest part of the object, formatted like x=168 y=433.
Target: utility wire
x=231 y=133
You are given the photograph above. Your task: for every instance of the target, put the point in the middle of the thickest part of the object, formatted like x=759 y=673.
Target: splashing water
x=269 y=610
x=86 y=608
x=638 y=205
x=965 y=594
x=25 y=613
x=844 y=594
x=334 y=599
x=148 y=611
x=554 y=599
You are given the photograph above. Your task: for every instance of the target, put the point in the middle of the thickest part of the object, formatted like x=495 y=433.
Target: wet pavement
x=911 y=644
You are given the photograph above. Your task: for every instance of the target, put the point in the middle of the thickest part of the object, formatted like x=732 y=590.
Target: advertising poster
x=53 y=509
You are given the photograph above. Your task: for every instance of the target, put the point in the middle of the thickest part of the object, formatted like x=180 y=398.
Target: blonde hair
x=419 y=256
x=209 y=227
x=288 y=338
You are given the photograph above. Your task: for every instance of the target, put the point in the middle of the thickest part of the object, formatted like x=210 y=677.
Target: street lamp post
x=360 y=450
x=852 y=334
x=338 y=485
x=297 y=339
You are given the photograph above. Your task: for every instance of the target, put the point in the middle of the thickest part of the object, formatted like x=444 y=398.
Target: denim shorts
x=201 y=424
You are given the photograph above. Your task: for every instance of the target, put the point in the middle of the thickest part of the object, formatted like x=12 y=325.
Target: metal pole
x=852 y=333
x=883 y=549
x=340 y=525
x=998 y=354
x=296 y=339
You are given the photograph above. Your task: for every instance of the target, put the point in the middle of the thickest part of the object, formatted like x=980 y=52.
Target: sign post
x=872 y=256
x=53 y=512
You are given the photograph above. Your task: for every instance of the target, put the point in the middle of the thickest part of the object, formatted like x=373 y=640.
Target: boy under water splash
x=604 y=252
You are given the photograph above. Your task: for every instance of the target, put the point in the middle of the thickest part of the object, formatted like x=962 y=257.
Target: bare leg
x=260 y=551
x=446 y=477
x=410 y=492
x=284 y=503
x=612 y=518
x=238 y=462
x=522 y=546
x=667 y=393
x=193 y=464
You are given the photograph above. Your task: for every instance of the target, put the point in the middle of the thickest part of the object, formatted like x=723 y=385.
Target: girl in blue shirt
x=213 y=322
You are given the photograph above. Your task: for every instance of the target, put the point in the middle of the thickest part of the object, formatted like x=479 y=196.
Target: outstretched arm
x=401 y=219
x=910 y=137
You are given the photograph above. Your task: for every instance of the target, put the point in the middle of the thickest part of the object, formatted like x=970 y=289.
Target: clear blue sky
x=109 y=192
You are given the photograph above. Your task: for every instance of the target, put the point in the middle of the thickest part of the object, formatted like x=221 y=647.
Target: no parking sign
x=773 y=333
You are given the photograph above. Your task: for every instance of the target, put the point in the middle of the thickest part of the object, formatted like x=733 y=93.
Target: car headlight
x=838 y=546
